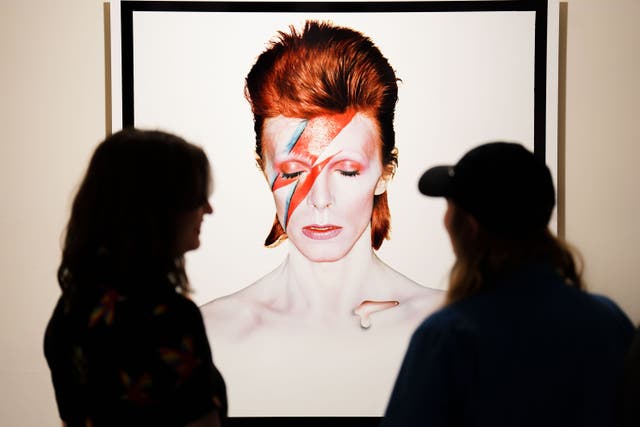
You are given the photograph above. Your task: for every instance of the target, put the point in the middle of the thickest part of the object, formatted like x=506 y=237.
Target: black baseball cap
x=504 y=186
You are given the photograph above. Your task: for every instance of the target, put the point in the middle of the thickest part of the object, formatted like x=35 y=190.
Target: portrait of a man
x=312 y=276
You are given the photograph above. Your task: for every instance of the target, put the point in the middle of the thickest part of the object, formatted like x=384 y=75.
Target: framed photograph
x=468 y=72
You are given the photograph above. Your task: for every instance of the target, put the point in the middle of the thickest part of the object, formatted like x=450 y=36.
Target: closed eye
x=292 y=169
x=348 y=168
x=291 y=175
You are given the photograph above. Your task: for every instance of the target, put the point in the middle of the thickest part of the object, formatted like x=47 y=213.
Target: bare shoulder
x=229 y=316
x=416 y=301
x=234 y=315
x=410 y=291
x=425 y=300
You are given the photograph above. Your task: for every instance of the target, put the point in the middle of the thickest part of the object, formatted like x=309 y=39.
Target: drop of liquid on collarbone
x=367 y=307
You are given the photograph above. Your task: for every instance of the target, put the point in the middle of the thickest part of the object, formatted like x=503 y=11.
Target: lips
x=321 y=232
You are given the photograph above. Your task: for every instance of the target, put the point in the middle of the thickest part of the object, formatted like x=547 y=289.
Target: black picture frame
x=540 y=7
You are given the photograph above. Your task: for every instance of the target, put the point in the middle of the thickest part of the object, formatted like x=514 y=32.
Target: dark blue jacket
x=531 y=351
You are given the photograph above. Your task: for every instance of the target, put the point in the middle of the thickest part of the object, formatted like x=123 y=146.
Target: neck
x=334 y=287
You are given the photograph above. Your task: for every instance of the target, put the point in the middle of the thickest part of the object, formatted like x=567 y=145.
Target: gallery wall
x=53 y=114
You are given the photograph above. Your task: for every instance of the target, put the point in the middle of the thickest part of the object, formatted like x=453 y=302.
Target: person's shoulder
x=418 y=302
x=610 y=309
x=232 y=315
x=415 y=300
x=606 y=303
x=590 y=314
x=254 y=296
x=593 y=305
x=166 y=317
x=426 y=297
x=443 y=330
x=410 y=291
x=226 y=307
x=174 y=304
x=450 y=319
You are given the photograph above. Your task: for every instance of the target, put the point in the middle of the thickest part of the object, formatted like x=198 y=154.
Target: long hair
x=122 y=232
x=321 y=70
x=482 y=255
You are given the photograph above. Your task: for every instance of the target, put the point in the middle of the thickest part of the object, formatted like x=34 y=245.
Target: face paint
x=323 y=173
x=309 y=139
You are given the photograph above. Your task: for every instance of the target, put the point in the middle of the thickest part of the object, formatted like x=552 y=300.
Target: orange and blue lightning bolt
x=317 y=133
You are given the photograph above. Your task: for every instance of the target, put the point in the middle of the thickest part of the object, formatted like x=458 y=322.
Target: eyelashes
x=291 y=175
x=296 y=174
x=290 y=170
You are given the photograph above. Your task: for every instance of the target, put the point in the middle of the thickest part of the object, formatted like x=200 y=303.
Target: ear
x=387 y=173
x=261 y=164
x=381 y=185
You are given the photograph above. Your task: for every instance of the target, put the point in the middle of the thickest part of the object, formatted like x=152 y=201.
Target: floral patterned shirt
x=119 y=360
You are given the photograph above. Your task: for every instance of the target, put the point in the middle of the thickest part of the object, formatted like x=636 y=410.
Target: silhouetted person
x=631 y=385
x=519 y=342
x=125 y=344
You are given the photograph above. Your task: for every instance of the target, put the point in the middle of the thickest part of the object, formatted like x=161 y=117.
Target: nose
x=320 y=196
x=208 y=209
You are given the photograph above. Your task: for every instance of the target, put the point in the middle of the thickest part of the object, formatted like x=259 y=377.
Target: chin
x=325 y=259
x=193 y=246
x=323 y=255
x=331 y=250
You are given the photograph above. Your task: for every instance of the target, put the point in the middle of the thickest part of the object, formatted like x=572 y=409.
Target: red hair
x=325 y=69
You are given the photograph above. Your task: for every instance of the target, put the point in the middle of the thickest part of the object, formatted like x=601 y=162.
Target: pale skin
x=295 y=332
x=290 y=339
x=322 y=281
x=300 y=294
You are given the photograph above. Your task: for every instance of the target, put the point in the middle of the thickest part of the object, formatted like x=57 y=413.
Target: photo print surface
x=309 y=299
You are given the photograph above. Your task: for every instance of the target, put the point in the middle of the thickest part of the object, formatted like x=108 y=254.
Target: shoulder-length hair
x=326 y=69
x=481 y=255
x=122 y=232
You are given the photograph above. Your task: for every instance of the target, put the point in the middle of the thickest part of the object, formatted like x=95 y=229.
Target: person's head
x=137 y=211
x=323 y=101
x=500 y=198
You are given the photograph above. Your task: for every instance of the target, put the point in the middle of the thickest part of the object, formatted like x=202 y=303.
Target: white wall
x=602 y=198
x=53 y=114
